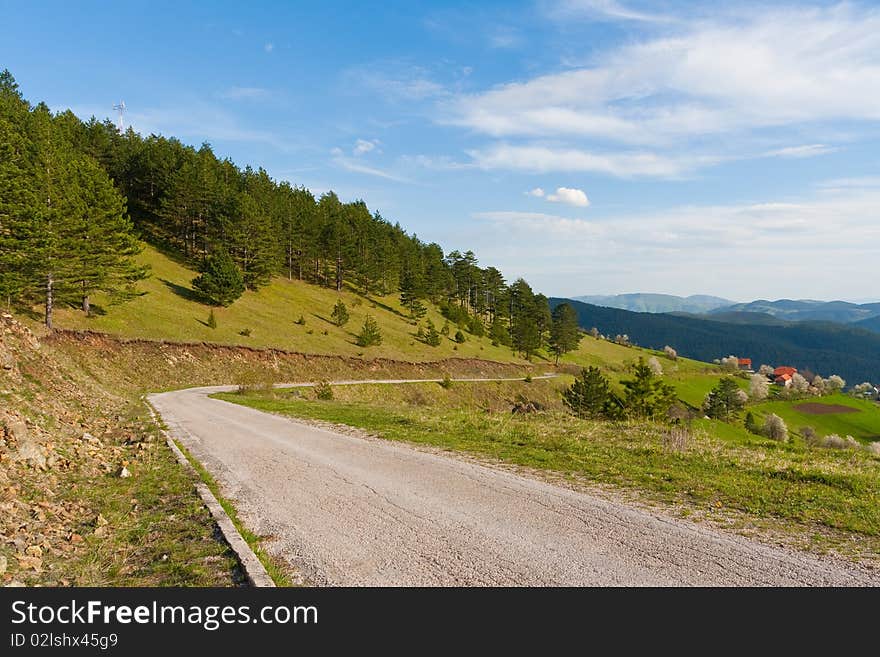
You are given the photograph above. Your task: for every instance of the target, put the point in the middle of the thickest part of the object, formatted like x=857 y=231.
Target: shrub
x=370 y=334
x=340 y=315
x=809 y=435
x=836 y=442
x=246 y=332
x=323 y=391
x=445 y=329
x=459 y=337
x=212 y=321
x=750 y=424
x=301 y=321
x=676 y=438
x=775 y=429
x=446 y=382
x=528 y=378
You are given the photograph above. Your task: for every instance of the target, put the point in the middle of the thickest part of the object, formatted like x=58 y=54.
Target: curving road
x=344 y=510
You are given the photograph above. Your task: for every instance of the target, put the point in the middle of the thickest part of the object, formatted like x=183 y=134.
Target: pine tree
x=370 y=334
x=564 y=332
x=591 y=397
x=107 y=242
x=459 y=337
x=411 y=292
x=498 y=332
x=432 y=336
x=724 y=400
x=647 y=396
x=219 y=279
x=339 y=315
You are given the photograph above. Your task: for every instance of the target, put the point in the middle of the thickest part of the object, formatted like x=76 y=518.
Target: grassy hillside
x=171 y=310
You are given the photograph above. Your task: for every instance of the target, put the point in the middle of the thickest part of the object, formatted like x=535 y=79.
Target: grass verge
x=273 y=566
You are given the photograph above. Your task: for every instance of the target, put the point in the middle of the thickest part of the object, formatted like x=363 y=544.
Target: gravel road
x=349 y=511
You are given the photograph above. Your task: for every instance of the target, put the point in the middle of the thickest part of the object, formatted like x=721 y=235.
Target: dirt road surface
x=345 y=510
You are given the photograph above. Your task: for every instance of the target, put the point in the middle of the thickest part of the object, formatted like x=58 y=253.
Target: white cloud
x=540 y=159
x=807 y=150
x=244 y=93
x=707 y=84
x=269 y=47
x=687 y=249
x=362 y=146
x=536 y=192
x=569 y=196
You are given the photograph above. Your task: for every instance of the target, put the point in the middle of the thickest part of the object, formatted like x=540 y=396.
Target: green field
x=820 y=495
x=862 y=425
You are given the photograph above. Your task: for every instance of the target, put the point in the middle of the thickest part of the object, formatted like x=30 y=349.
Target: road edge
x=253 y=568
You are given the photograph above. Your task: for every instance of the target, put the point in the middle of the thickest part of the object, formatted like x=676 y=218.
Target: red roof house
x=784 y=369
x=745 y=363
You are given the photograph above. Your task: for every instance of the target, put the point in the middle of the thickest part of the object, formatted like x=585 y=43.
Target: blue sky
x=591 y=146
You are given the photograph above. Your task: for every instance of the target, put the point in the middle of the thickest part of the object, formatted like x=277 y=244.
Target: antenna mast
x=120 y=108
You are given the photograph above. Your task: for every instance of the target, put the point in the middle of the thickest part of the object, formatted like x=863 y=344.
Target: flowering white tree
x=655 y=366
x=730 y=363
x=759 y=387
x=742 y=397
x=671 y=353
x=835 y=383
x=799 y=383
x=775 y=428
x=766 y=370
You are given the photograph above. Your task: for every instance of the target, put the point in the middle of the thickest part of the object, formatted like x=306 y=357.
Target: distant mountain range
x=806 y=310
x=823 y=347
x=658 y=303
x=760 y=312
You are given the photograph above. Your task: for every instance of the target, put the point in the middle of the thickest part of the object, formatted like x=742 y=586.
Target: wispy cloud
x=798 y=152
x=396 y=81
x=269 y=47
x=357 y=166
x=719 y=86
x=543 y=159
x=604 y=10
x=363 y=146
x=244 y=93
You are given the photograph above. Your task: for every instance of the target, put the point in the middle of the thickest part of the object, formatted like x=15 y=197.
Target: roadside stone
x=124 y=473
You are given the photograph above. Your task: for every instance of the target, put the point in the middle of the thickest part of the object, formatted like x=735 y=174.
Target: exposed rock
x=29 y=449
x=3 y=564
x=124 y=473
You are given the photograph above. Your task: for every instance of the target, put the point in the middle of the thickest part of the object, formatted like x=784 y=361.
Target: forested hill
x=74 y=194
x=823 y=348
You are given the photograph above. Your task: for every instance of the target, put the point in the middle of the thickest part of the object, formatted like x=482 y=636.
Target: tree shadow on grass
x=186 y=292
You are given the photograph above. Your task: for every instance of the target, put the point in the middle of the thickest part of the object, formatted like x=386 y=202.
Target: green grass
x=273 y=567
x=722 y=466
x=863 y=425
